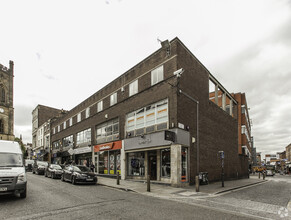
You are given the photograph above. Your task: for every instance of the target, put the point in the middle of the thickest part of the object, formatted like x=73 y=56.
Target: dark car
x=39 y=167
x=28 y=165
x=54 y=171
x=78 y=174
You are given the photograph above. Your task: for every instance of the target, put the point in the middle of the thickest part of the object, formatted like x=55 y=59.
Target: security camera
x=179 y=72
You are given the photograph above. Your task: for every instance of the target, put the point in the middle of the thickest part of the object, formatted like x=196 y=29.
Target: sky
x=65 y=51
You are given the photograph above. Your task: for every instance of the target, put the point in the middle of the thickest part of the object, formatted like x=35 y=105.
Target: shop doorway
x=152 y=161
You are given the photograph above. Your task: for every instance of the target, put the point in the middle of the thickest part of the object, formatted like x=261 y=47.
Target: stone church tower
x=6 y=102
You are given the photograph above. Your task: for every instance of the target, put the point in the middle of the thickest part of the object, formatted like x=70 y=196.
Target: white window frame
x=64 y=125
x=71 y=122
x=88 y=112
x=113 y=99
x=100 y=106
x=79 y=117
x=157 y=75
x=133 y=88
x=59 y=128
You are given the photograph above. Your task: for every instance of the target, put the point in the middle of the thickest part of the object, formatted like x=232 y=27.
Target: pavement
x=162 y=190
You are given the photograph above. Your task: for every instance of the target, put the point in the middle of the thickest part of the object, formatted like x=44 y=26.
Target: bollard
x=197 y=183
x=148 y=183
x=259 y=175
x=222 y=179
x=264 y=175
x=117 y=178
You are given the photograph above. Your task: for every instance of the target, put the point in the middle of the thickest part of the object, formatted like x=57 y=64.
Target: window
x=71 y=122
x=148 y=119
x=166 y=163
x=108 y=131
x=2 y=95
x=68 y=141
x=157 y=75
x=133 y=88
x=100 y=106
x=1 y=126
x=59 y=128
x=84 y=136
x=87 y=112
x=113 y=99
x=56 y=145
x=64 y=125
x=136 y=164
x=54 y=130
x=79 y=117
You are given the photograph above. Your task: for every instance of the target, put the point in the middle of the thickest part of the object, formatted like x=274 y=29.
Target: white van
x=12 y=169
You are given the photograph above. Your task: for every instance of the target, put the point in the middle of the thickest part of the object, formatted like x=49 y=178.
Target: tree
x=22 y=146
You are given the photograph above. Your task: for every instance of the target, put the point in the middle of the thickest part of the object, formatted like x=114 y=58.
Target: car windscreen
x=10 y=160
x=42 y=163
x=56 y=167
x=28 y=162
x=81 y=168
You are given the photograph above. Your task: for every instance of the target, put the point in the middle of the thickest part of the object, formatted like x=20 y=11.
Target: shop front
x=83 y=155
x=108 y=158
x=163 y=160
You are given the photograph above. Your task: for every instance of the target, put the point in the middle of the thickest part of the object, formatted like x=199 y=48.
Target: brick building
x=153 y=120
x=288 y=152
x=41 y=116
x=6 y=102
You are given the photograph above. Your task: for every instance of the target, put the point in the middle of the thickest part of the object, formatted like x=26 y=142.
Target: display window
x=109 y=162
x=136 y=164
x=166 y=163
x=184 y=164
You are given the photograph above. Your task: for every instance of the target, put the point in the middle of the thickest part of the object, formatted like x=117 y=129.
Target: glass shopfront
x=108 y=157
x=184 y=154
x=166 y=163
x=136 y=164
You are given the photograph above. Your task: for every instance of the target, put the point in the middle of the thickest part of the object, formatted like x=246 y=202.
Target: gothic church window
x=2 y=94
x=1 y=126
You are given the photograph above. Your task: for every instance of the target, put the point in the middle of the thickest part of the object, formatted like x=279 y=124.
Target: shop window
x=109 y=162
x=184 y=164
x=166 y=163
x=136 y=164
x=157 y=75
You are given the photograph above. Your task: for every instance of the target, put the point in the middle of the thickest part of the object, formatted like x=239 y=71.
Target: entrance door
x=152 y=158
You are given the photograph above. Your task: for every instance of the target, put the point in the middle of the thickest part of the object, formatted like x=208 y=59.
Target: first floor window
x=133 y=88
x=136 y=164
x=113 y=99
x=166 y=162
x=100 y=106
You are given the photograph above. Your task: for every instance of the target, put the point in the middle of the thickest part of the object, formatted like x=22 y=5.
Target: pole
x=148 y=183
x=197 y=183
x=222 y=172
x=117 y=178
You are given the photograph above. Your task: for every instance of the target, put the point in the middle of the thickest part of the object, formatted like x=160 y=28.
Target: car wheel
x=62 y=178
x=74 y=180
x=23 y=195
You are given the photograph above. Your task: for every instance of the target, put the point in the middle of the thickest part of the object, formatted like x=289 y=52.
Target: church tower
x=6 y=102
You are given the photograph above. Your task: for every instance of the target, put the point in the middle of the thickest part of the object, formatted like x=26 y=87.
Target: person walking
x=92 y=167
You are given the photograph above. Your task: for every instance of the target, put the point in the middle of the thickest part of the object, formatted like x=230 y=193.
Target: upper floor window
x=133 y=88
x=64 y=125
x=84 y=136
x=157 y=75
x=148 y=119
x=54 y=130
x=108 y=131
x=68 y=141
x=87 y=112
x=79 y=117
x=56 y=145
x=1 y=126
x=59 y=128
x=100 y=106
x=113 y=99
x=71 y=122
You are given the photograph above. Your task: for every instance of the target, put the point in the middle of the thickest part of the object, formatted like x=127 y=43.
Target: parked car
x=28 y=165
x=54 y=171
x=269 y=173
x=39 y=167
x=12 y=169
x=78 y=174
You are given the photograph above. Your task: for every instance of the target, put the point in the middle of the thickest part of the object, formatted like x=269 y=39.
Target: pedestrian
x=92 y=167
x=85 y=163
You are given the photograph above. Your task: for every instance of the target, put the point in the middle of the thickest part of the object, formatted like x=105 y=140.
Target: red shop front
x=107 y=158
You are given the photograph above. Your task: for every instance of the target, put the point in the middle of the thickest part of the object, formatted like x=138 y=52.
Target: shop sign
x=71 y=151
x=108 y=146
x=82 y=150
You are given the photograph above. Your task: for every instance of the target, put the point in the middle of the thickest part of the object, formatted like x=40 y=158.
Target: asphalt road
x=52 y=199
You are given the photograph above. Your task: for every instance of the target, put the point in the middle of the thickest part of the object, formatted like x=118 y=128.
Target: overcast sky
x=65 y=51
